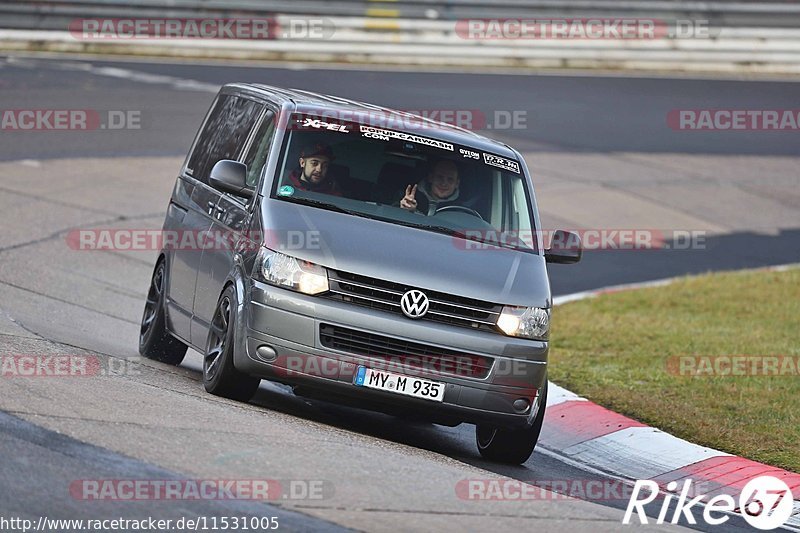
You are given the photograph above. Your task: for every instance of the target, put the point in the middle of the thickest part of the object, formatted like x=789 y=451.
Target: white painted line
x=175 y=82
x=143 y=77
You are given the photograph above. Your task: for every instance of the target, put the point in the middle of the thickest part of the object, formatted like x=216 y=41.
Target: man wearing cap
x=313 y=171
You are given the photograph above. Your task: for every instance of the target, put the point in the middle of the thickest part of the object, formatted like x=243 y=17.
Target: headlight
x=528 y=322
x=292 y=273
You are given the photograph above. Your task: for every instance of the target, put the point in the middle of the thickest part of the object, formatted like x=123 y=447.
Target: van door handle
x=220 y=211
x=211 y=206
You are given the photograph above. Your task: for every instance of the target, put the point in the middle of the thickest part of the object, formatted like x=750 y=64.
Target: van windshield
x=407 y=177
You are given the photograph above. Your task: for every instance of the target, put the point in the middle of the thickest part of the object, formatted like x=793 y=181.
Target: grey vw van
x=362 y=255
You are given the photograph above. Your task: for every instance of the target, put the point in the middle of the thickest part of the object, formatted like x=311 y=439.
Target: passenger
x=439 y=188
x=313 y=172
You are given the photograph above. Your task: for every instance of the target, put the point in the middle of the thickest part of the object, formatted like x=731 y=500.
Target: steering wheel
x=461 y=208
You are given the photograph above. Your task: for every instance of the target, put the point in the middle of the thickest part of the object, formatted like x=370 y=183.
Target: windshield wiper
x=428 y=227
x=443 y=229
x=322 y=204
x=453 y=232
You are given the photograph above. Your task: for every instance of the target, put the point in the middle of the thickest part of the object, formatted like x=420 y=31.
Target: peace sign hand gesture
x=409 y=201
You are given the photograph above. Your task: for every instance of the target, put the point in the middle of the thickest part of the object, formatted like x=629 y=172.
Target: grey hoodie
x=433 y=202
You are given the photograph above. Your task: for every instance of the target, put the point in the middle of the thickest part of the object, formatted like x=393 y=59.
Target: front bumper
x=288 y=324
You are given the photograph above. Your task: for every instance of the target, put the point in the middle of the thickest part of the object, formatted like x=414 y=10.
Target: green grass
x=614 y=349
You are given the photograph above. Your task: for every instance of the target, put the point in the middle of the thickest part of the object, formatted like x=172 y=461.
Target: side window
x=259 y=150
x=226 y=130
x=522 y=222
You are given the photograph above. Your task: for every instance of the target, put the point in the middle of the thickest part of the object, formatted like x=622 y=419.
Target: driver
x=438 y=189
x=312 y=175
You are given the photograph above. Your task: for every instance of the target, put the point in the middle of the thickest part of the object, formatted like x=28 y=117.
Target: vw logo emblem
x=414 y=304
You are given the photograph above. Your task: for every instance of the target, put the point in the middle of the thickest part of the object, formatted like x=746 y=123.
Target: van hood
x=410 y=256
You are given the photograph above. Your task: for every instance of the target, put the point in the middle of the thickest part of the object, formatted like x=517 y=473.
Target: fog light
x=521 y=404
x=266 y=353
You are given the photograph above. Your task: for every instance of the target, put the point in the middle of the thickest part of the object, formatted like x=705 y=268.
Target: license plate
x=391 y=382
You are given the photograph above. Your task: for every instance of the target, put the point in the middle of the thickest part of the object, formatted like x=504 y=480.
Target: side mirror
x=231 y=176
x=565 y=248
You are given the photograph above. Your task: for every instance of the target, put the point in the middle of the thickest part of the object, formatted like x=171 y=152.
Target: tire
x=220 y=378
x=155 y=341
x=513 y=446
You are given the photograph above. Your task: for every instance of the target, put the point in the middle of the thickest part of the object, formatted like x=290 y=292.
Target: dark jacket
x=328 y=186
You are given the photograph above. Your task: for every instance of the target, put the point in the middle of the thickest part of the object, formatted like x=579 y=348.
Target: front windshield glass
x=407 y=178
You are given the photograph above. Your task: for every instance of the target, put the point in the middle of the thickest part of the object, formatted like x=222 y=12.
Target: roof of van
x=311 y=101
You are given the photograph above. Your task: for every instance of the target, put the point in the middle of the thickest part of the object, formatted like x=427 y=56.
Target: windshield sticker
x=321 y=124
x=469 y=154
x=501 y=162
x=385 y=135
x=286 y=190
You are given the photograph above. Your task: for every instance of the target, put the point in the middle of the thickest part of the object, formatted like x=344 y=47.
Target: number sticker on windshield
x=501 y=162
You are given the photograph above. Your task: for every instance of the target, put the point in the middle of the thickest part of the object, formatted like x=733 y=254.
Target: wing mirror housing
x=565 y=248
x=231 y=177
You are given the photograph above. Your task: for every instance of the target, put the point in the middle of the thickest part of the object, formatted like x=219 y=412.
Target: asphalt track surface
x=387 y=475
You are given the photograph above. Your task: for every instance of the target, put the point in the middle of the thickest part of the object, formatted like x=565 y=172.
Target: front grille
x=399 y=354
x=385 y=295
